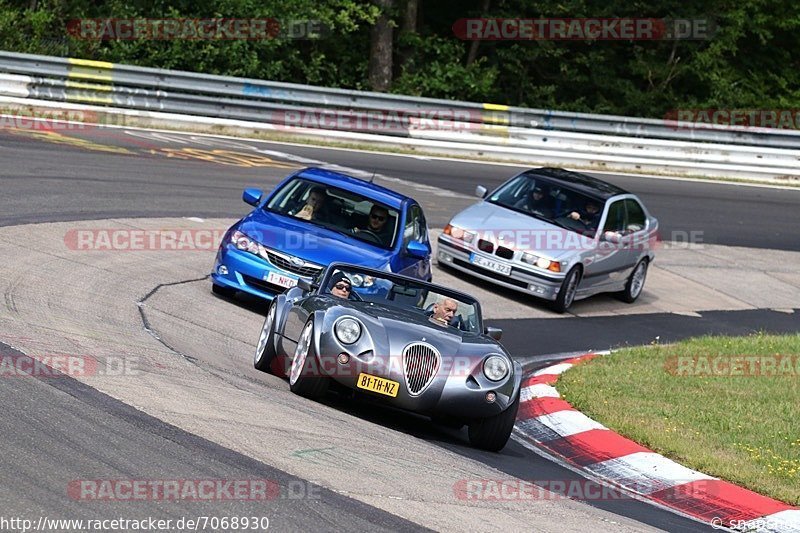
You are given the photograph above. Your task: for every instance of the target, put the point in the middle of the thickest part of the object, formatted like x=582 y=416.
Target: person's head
x=340 y=285
x=537 y=194
x=377 y=218
x=592 y=208
x=444 y=310
x=316 y=197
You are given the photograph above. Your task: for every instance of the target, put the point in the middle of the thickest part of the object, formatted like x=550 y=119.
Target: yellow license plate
x=379 y=385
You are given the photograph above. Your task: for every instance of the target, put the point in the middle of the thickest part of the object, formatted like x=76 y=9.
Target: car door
x=609 y=259
x=415 y=228
x=636 y=232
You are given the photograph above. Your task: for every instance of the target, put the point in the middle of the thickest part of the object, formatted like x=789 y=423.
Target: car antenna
x=373 y=176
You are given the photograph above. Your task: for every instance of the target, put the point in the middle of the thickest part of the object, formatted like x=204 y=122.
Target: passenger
x=315 y=203
x=341 y=286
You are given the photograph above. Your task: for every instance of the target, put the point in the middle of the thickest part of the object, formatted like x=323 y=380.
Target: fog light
x=491 y=397
x=343 y=359
x=444 y=257
x=535 y=288
x=223 y=270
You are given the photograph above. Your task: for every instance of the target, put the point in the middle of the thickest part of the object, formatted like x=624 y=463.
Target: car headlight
x=243 y=242
x=552 y=266
x=347 y=330
x=459 y=233
x=529 y=258
x=495 y=367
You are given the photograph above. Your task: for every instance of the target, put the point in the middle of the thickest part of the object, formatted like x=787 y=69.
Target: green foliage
x=750 y=62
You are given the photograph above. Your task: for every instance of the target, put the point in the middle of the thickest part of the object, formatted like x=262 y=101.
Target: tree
x=381 y=48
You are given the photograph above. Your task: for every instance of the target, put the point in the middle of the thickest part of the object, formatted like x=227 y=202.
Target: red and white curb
x=584 y=445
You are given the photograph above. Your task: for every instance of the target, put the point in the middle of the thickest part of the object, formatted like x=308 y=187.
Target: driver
x=444 y=311
x=537 y=201
x=315 y=205
x=341 y=286
x=589 y=216
x=378 y=216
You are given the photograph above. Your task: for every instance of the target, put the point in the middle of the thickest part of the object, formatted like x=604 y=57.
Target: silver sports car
x=415 y=345
x=556 y=235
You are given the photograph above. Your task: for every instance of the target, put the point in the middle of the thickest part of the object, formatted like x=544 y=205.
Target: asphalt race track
x=61 y=429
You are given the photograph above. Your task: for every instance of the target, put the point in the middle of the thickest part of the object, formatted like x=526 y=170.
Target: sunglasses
x=342 y=287
x=378 y=217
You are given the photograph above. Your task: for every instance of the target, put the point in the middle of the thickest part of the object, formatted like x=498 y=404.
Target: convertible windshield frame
x=383 y=280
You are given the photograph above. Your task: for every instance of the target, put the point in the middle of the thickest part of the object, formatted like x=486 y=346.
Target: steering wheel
x=373 y=236
x=354 y=296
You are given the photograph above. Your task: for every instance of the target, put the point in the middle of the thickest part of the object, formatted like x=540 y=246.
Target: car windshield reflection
x=338 y=210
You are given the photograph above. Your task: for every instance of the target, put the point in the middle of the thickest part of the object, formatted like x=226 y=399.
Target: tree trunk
x=473 y=47
x=410 y=17
x=380 y=54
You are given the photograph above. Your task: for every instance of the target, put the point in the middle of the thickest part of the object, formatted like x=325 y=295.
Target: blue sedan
x=313 y=218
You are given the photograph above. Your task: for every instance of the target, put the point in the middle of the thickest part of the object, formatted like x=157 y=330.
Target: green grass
x=741 y=428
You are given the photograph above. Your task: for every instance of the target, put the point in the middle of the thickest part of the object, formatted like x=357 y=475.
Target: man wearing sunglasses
x=341 y=286
x=376 y=224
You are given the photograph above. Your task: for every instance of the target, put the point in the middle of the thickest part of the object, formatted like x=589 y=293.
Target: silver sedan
x=554 y=234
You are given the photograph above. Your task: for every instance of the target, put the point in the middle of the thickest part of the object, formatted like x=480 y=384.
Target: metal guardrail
x=496 y=128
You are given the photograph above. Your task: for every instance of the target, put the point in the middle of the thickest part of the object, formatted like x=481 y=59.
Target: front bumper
x=458 y=390
x=452 y=254
x=243 y=271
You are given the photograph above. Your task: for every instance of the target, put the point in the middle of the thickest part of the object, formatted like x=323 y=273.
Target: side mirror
x=252 y=196
x=418 y=249
x=305 y=284
x=494 y=333
x=480 y=191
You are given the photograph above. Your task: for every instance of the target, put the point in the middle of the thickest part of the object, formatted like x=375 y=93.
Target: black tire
x=265 y=349
x=566 y=295
x=219 y=290
x=635 y=284
x=492 y=434
x=307 y=379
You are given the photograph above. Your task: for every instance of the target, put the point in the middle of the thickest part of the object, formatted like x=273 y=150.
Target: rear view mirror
x=305 y=284
x=494 y=333
x=252 y=196
x=480 y=191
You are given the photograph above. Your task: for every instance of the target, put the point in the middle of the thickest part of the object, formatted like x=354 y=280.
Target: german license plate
x=490 y=264
x=283 y=281
x=376 y=384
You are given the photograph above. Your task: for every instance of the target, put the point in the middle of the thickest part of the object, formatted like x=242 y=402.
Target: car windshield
x=551 y=202
x=339 y=210
x=442 y=307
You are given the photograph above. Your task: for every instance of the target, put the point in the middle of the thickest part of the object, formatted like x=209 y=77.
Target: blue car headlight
x=245 y=243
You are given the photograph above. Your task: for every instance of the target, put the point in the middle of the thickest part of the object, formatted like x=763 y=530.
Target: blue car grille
x=284 y=263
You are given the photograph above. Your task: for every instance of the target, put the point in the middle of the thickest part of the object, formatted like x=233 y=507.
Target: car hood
x=519 y=231
x=309 y=241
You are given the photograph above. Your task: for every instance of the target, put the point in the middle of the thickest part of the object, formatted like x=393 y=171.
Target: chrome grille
x=284 y=262
x=421 y=363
